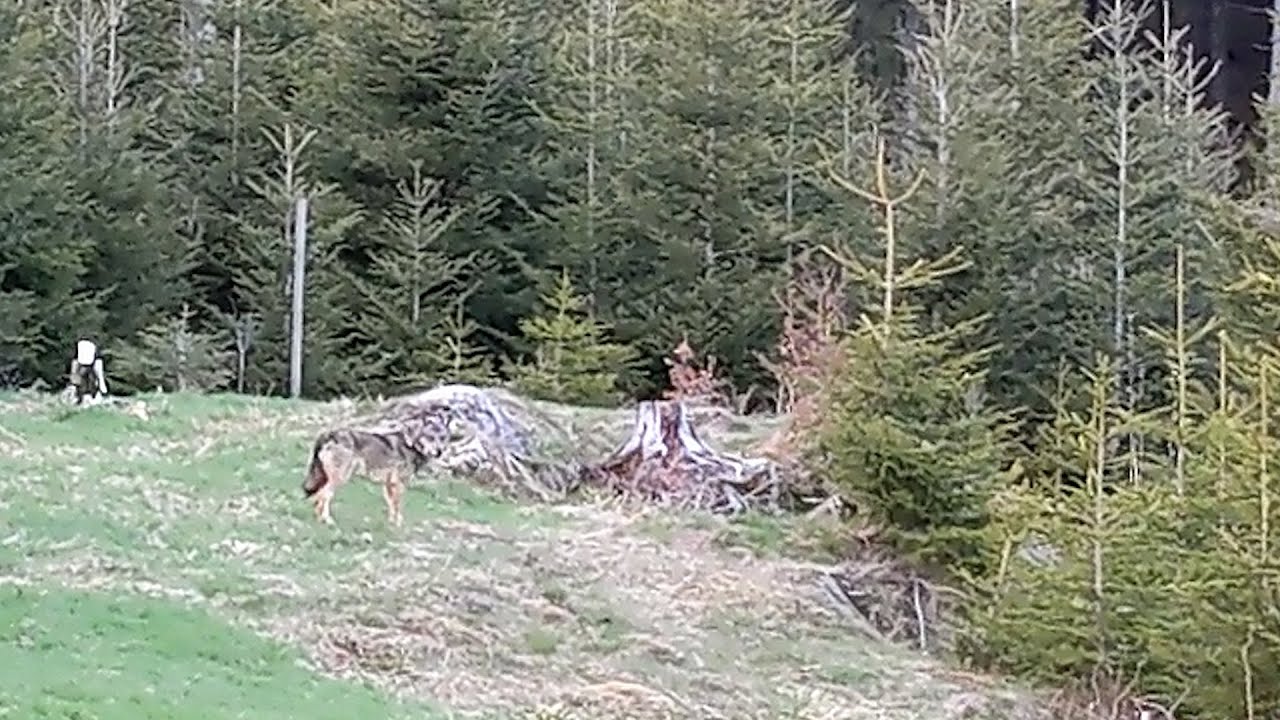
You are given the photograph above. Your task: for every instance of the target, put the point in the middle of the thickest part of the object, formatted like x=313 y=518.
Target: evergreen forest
x=1016 y=264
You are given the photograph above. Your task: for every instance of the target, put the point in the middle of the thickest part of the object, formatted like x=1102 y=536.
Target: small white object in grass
x=86 y=358
x=86 y=352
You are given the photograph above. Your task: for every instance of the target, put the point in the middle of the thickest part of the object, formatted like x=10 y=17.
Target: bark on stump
x=664 y=461
x=485 y=434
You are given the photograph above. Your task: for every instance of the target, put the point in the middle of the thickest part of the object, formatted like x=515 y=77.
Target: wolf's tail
x=316 y=476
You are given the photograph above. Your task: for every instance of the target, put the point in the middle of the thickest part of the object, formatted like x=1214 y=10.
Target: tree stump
x=664 y=461
x=486 y=434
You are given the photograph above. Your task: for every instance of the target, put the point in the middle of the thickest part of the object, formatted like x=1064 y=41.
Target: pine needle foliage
x=175 y=355
x=910 y=440
x=573 y=361
x=460 y=358
x=1163 y=583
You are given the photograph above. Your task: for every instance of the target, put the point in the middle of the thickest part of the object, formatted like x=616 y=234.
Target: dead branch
x=896 y=603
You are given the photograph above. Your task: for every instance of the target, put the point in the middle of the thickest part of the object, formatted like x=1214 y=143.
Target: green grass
x=166 y=565
x=70 y=654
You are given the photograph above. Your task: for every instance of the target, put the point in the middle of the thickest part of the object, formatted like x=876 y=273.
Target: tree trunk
x=1273 y=75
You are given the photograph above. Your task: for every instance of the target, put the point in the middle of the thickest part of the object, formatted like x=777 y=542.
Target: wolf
x=385 y=455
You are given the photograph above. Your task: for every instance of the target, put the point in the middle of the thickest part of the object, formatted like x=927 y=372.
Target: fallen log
x=664 y=462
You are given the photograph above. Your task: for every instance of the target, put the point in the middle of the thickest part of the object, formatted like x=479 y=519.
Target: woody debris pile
x=487 y=435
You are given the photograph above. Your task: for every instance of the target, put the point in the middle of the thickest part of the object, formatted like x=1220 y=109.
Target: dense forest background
x=1024 y=253
x=460 y=155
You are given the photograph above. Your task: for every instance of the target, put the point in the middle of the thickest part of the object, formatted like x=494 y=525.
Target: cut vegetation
x=163 y=564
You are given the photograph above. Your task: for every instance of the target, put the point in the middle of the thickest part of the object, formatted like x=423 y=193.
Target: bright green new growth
x=573 y=362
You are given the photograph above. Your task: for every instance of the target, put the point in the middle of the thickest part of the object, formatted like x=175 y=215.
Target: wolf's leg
x=338 y=468
x=324 y=499
x=399 y=498
x=388 y=497
x=393 y=494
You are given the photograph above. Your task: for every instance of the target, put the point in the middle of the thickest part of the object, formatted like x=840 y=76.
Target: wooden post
x=299 y=278
x=1273 y=93
x=1013 y=29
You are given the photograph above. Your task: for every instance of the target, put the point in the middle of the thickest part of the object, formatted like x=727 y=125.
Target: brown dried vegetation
x=691 y=383
x=809 y=353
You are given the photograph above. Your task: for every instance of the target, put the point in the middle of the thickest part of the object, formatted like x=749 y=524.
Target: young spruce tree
x=573 y=362
x=908 y=434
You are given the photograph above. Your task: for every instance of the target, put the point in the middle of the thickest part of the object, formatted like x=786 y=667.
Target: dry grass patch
x=591 y=617
x=479 y=606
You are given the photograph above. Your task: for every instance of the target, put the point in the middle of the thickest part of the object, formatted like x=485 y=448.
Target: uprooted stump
x=488 y=435
x=665 y=462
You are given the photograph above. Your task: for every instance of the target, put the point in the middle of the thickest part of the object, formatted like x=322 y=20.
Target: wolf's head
x=317 y=476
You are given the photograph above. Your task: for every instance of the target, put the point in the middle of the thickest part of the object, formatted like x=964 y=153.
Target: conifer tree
x=1048 y=604
x=262 y=273
x=261 y=262
x=174 y=355
x=1202 y=163
x=220 y=76
x=495 y=51
x=1100 y=575
x=83 y=72
x=142 y=263
x=962 y=109
x=45 y=256
x=1190 y=399
x=573 y=361
x=1159 y=152
x=723 y=123
x=907 y=433
x=1086 y=585
x=591 y=89
x=1247 y=231
x=447 y=84
x=1121 y=82
x=1241 y=612
x=1245 y=476
x=460 y=358
x=997 y=134
x=335 y=361
x=814 y=98
x=411 y=283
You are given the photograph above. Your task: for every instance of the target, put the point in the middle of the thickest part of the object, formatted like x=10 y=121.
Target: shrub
x=174 y=355
x=573 y=362
x=905 y=435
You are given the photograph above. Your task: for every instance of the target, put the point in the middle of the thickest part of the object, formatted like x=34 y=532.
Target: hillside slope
x=168 y=567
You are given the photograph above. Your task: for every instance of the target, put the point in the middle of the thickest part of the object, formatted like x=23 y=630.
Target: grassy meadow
x=163 y=564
